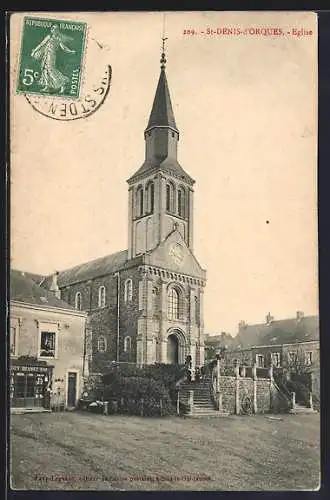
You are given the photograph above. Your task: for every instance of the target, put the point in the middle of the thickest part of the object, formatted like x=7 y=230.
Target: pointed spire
x=162 y=112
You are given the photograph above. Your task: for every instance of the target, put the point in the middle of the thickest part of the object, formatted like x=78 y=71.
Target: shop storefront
x=30 y=383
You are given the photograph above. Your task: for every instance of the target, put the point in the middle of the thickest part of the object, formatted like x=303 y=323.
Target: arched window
x=102 y=296
x=139 y=201
x=101 y=344
x=128 y=290
x=150 y=197
x=173 y=303
x=170 y=197
x=78 y=301
x=181 y=202
x=155 y=305
x=127 y=344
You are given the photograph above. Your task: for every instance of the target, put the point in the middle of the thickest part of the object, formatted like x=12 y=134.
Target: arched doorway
x=172 y=349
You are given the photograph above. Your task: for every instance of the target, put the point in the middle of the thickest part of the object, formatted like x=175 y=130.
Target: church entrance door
x=172 y=349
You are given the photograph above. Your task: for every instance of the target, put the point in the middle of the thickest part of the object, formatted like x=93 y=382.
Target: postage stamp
x=52 y=53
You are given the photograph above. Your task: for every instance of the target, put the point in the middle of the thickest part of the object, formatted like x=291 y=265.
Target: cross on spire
x=163 y=58
x=164 y=38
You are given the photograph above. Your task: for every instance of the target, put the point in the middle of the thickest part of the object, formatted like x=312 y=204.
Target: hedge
x=139 y=395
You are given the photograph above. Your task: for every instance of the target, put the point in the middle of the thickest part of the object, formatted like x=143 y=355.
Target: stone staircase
x=299 y=408
x=203 y=405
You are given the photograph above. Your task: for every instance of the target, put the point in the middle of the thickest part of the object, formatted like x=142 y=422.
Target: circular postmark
x=73 y=109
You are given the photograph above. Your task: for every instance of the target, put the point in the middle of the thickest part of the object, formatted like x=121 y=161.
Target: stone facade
x=145 y=304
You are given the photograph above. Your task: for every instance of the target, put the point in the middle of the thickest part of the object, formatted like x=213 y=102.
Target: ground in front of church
x=82 y=451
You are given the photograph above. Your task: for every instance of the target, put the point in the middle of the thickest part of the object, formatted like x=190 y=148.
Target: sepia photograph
x=163 y=328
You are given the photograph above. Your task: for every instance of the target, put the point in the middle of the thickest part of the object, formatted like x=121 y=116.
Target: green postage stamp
x=52 y=52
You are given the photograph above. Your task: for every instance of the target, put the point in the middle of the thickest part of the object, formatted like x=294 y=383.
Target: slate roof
x=162 y=116
x=162 y=111
x=221 y=340
x=284 y=331
x=165 y=164
x=24 y=289
x=92 y=269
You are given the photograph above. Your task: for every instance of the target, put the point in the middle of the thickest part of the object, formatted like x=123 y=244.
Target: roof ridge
x=91 y=261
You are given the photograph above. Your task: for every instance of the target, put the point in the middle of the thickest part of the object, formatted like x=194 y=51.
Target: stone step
x=198 y=400
x=213 y=414
x=195 y=392
x=302 y=409
x=198 y=395
x=202 y=401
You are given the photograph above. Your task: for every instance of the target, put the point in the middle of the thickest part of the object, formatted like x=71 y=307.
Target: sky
x=246 y=110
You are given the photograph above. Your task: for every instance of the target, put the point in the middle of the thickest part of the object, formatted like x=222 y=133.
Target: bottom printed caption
x=151 y=479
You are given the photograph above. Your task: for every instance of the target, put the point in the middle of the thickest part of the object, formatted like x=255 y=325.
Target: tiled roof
x=92 y=269
x=24 y=289
x=284 y=331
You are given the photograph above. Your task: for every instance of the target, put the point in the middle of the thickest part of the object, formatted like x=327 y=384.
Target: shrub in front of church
x=138 y=395
x=168 y=374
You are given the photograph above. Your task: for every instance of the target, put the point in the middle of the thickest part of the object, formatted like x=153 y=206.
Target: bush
x=166 y=375
x=140 y=395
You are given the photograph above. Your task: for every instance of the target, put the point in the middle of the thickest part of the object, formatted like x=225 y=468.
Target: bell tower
x=160 y=192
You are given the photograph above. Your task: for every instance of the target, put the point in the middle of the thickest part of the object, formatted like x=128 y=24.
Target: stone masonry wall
x=245 y=384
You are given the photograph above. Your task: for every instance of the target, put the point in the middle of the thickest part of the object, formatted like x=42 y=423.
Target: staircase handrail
x=283 y=391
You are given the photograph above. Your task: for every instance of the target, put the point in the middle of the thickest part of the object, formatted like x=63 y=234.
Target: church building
x=145 y=304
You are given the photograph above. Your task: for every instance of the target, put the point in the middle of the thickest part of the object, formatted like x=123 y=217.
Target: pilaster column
x=254 y=375
x=191 y=219
x=201 y=309
x=130 y=222
x=237 y=399
x=192 y=308
x=163 y=318
x=161 y=207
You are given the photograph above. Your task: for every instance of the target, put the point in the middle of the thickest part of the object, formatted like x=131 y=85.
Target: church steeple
x=160 y=191
x=162 y=112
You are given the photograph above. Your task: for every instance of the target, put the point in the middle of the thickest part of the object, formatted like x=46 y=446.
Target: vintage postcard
x=164 y=325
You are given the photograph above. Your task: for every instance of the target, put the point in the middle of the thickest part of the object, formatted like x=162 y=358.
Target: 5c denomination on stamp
x=51 y=57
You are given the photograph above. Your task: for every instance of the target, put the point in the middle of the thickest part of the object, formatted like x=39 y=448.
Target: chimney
x=269 y=319
x=299 y=316
x=54 y=286
x=242 y=325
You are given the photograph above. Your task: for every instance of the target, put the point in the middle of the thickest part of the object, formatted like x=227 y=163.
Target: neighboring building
x=285 y=343
x=215 y=343
x=47 y=344
x=145 y=303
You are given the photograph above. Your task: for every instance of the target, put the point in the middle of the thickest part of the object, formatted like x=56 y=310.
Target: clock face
x=176 y=253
